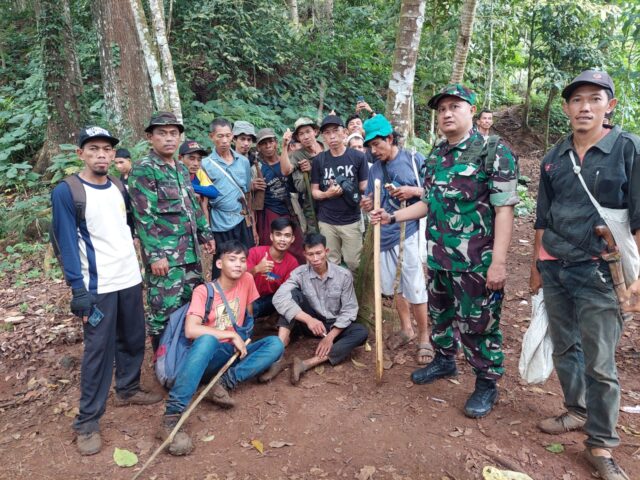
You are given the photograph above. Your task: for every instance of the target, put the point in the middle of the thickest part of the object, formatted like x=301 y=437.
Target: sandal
x=424 y=353
x=398 y=339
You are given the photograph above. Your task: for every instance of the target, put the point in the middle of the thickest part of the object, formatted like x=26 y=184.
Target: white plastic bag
x=536 y=362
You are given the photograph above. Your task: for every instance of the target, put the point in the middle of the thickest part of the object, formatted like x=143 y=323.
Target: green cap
x=453 y=90
x=163 y=118
x=377 y=126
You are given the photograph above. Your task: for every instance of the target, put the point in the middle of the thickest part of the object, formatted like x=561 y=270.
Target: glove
x=81 y=302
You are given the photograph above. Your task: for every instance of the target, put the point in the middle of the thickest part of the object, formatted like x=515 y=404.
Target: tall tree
x=293 y=12
x=400 y=96
x=467 y=16
x=62 y=79
x=323 y=14
x=124 y=75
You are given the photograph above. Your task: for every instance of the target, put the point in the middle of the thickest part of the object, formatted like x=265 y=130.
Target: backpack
x=174 y=345
x=79 y=196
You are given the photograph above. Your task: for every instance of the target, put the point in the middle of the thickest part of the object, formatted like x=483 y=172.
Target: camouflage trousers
x=464 y=312
x=166 y=294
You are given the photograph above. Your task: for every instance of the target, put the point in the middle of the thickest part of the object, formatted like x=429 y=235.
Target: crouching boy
x=216 y=339
x=319 y=300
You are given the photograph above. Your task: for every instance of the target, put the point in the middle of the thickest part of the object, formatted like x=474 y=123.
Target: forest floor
x=337 y=423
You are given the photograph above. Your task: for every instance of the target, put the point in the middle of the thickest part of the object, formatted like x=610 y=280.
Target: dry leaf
x=257 y=444
x=366 y=472
x=454 y=381
x=208 y=438
x=367 y=347
x=319 y=369
x=280 y=444
x=357 y=364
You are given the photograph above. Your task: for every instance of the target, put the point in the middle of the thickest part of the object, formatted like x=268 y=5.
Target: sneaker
x=607 y=467
x=89 y=443
x=219 y=395
x=141 y=397
x=273 y=371
x=482 y=400
x=181 y=443
x=442 y=366
x=566 y=422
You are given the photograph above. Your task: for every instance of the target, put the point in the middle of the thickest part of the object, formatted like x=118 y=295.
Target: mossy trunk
x=62 y=79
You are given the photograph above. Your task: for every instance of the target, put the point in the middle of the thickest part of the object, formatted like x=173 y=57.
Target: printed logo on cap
x=194 y=145
x=597 y=76
x=95 y=131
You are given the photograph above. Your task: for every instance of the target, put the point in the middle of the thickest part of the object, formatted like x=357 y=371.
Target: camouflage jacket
x=168 y=216
x=461 y=192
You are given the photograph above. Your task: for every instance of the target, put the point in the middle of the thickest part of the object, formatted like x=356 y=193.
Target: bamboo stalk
x=188 y=412
x=377 y=286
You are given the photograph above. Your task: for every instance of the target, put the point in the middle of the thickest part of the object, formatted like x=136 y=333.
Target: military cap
x=163 y=118
x=593 y=77
x=303 y=122
x=453 y=90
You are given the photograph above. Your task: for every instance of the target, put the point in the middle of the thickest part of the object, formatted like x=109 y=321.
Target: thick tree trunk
x=62 y=79
x=124 y=75
x=293 y=12
x=400 y=96
x=467 y=16
x=150 y=53
x=170 y=84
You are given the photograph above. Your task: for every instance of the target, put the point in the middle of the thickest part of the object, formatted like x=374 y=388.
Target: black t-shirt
x=352 y=165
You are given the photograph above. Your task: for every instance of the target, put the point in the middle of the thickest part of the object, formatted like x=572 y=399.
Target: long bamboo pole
x=191 y=408
x=377 y=287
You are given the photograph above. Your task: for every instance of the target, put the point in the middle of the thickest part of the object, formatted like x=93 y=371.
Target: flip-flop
x=398 y=339
x=424 y=350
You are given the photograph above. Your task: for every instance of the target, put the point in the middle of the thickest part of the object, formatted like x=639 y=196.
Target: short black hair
x=281 y=223
x=313 y=239
x=484 y=110
x=230 y=246
x=352 y=117
x=219 y=122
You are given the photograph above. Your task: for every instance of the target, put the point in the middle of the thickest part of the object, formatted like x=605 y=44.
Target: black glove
x=81 y=302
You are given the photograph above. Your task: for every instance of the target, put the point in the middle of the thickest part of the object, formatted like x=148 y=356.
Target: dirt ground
x=337 y=423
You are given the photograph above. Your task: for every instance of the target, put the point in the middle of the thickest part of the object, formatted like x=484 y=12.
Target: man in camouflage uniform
x=169 y=221
x=469 y=195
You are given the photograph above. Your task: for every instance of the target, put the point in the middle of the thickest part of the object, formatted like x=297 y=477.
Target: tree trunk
x=124 y=76
x=400 y=95
x=527 y=95
x=150 y=53
x=491 y=71
x=170 y=84
x=62 y=79
x=293 y=12
x=546 y=114
x=467 y=15
x=323 y=14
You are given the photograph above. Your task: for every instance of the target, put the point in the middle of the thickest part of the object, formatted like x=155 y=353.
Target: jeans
x=263 y=306
x=585 y=326
x=208 y=355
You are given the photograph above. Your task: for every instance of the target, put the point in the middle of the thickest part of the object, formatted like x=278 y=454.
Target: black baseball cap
x=123 y=153
x=331 y=120
x=593 y=77
x=89 y=133
x=191 y=146
x=164 y=118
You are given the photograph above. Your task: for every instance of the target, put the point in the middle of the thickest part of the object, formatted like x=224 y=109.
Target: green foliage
x=26 y=217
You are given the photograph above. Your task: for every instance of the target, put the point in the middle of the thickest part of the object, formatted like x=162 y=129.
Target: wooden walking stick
x=191 y=408
x=377 y=287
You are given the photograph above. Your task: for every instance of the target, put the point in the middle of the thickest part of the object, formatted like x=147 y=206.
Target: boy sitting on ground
x=215 y=340
x=272 y=265
x=319 y=300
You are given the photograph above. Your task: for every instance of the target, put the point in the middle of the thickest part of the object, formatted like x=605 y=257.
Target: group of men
x=283 y=224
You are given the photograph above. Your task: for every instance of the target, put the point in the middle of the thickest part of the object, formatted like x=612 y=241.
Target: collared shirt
x=332 y=296
x=462 y=194
x=564 y=211
x=169 y=220
x=226 y=208
x=401 y=172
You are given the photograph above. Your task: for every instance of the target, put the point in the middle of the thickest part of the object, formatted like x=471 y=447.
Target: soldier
x=169 y=222
x=469 y=195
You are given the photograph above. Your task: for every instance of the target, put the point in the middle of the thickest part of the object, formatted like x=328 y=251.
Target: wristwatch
x=392 y=219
